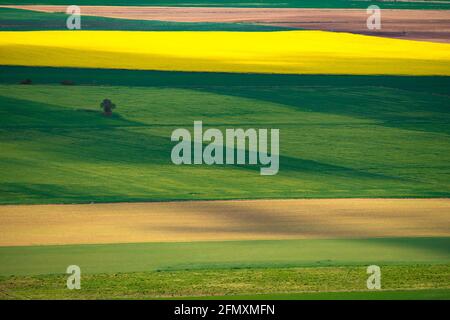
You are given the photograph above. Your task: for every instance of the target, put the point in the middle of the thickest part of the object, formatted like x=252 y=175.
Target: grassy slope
x=385 y=141
x=231 y=282
x=423 y=294
x=252 y=3
x=24 y=20
x=241 y=269
x=141 y=257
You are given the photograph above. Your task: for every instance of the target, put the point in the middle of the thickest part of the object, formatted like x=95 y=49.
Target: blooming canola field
x=286 y=52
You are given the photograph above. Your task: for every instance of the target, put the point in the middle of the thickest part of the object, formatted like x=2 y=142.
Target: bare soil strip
x=222 y=220
x=429 y=25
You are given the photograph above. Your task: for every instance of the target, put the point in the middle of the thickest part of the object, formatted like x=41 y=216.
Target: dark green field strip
x=423 y=294
x=141 y=257
x=340 y=136
x=24 y=20
x=146 y=78
x=388 y=4
x=234 y=282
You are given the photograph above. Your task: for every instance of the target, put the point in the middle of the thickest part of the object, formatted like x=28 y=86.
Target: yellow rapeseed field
x=299 y=52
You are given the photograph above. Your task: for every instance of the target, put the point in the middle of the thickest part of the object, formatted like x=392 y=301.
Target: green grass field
x=292 y=268
x=141 y=257
x=233 y=283
x=24 y=20
x=340 y=136
x=423 y=294
x=388 y=4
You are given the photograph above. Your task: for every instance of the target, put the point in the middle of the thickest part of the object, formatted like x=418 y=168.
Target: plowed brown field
x=223 y=220
x=429 y=25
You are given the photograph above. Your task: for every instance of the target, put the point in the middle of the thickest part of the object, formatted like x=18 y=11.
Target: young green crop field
x=340 y=136
x=231 y=268
x=228 y=283
x=388 y=4
x=423 y=294
x=204 y=255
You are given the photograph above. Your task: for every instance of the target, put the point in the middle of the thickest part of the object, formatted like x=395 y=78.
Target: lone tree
x=26 y=81
x=107 y=107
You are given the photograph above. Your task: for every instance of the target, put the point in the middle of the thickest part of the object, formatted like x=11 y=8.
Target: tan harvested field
x=222 y=220
x=429 y=25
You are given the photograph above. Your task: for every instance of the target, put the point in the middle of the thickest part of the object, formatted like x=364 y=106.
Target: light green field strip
x=287 y=52
x=424 y=294
x=140 y=257
x=298 y=282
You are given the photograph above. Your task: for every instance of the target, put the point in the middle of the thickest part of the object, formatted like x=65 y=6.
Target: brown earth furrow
x=431 y=25
x=222 y=220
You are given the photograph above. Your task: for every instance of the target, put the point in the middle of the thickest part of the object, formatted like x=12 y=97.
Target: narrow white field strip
x=222 y=220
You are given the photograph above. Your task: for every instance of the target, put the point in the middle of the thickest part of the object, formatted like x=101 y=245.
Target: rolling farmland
x=26 y=20
x=364 y=151
x=409 y=24
x=127 y=157
x=420 y=231
x=407 y=4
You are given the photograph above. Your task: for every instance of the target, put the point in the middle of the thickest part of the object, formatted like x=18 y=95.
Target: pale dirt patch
x=222 y=220
x=429 y=25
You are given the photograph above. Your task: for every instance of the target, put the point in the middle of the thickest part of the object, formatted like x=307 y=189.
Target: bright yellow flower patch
x=310 y=52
